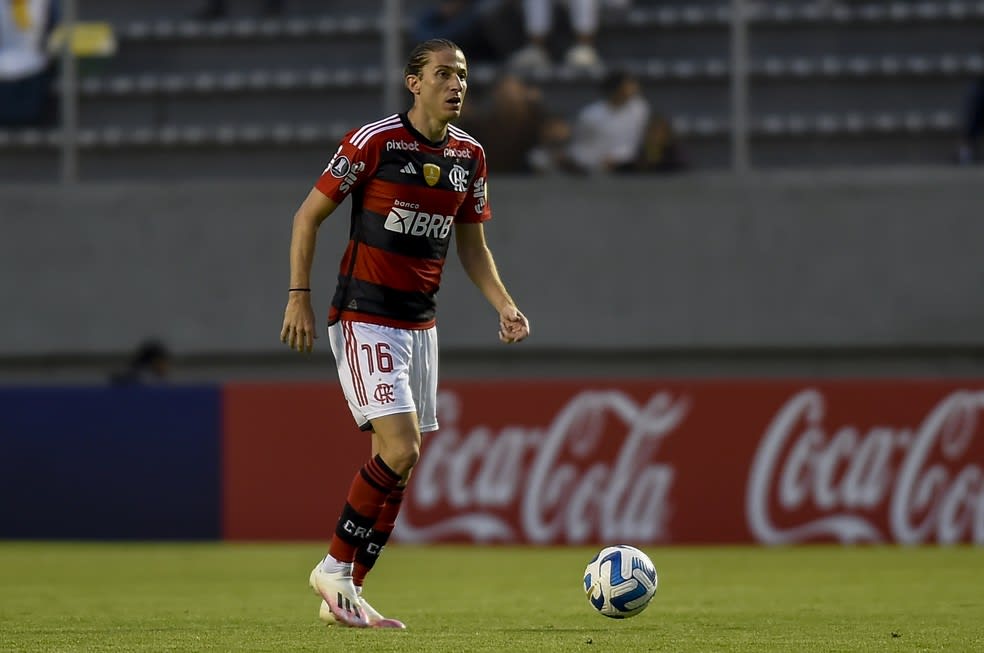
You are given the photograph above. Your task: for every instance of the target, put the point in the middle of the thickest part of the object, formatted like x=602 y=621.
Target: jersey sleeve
x=476 y=205
x=350 y=168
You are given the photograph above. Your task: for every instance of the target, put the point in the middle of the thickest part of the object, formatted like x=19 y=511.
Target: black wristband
x=298 y=290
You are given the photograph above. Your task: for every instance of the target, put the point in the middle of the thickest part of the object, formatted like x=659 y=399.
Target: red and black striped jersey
x=407 y=193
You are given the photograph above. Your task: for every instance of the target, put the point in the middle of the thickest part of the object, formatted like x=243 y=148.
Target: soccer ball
x=620 y=581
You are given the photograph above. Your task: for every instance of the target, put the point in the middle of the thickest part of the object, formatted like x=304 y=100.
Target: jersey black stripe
x=374 y=299
x=392 y=164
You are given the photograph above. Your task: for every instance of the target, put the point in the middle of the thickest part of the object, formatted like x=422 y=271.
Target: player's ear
x=413 y=84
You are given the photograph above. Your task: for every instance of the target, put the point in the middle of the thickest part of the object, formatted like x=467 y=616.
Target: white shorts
x=386 y=371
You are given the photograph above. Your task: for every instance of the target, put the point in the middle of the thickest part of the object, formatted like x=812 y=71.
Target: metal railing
x=740 y=163
x=69 y=97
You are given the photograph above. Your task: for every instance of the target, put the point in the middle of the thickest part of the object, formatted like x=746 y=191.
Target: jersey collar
x=420 y=137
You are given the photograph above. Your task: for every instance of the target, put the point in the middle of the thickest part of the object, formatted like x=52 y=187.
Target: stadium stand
x=854 y=83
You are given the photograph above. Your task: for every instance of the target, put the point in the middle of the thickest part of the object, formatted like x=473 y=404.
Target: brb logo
x=404 y=218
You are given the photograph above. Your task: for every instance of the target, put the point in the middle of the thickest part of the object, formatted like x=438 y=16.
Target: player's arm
x=299 y=330
x=476 y=259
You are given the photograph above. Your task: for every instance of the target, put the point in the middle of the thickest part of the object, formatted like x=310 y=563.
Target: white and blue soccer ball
x=620 y=581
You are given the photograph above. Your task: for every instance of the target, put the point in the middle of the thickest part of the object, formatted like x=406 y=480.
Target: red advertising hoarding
x=289 y=453
x=644 y=461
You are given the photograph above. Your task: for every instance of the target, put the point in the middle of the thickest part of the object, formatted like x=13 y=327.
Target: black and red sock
x=372 y=547
x=366 y=500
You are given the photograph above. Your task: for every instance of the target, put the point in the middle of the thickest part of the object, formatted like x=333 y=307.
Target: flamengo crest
x=459 y=178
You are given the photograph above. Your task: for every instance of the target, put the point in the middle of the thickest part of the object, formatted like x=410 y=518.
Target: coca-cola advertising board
x=649 y=461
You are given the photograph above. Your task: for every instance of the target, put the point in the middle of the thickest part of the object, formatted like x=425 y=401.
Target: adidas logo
x=409 y=169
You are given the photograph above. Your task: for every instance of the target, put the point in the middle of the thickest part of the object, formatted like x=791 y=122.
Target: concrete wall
x=832 y=259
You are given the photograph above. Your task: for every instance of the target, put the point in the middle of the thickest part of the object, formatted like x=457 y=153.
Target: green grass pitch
x=254 y=597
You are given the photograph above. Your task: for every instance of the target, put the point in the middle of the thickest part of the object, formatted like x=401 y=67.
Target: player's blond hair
x=422 y=51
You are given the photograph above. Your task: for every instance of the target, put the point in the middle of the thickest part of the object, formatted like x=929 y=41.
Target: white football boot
x=339 y=597
x=375 y=619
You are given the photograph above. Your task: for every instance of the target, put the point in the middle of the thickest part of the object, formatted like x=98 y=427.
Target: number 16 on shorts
x=385 y=370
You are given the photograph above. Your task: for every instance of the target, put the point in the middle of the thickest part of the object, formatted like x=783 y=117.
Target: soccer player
x=412 y=176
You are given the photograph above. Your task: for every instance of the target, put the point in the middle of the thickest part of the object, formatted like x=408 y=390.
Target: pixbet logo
x=411 y=146
x=418 y=223
x=457 y=153
x=811 y=480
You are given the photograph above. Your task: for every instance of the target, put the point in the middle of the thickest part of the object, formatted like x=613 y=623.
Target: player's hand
x=298 y=331
x=513 y=325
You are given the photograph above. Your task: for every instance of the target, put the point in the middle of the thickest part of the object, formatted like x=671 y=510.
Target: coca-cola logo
x=811 y=480
x=589 y=474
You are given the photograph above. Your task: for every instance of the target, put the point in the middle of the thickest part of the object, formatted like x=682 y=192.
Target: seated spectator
x=550 y=155
x=661 y=152
x=150 y=364
x=507 y=121
x=481 y=27
x=538 y=19
x=609 y=133
x=27 y=70
x=216 y=9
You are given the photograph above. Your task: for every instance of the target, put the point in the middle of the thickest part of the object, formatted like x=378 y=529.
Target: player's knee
x=400 y=456
x=398 y=441
x=404 y=458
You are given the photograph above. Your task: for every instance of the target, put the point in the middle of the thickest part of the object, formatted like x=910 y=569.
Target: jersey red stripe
x=392 y=270
x=380 y=195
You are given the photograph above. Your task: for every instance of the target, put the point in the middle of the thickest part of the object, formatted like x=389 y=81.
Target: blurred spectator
x=483 y=28
x=150 y=364
x=538 y=19
x=609 y=133
x=508 y=121
x=27 y=69
x=550 y=154
x=973 y=124
x=661 y=151
x=216 y=9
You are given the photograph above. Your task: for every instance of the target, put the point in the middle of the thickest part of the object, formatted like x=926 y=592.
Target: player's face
x=442 y=85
